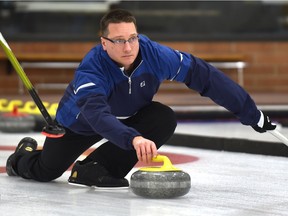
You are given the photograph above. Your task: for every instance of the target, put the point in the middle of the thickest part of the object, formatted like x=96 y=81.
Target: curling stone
x=15 y=122
x=160 y=182
x=31 y=108
x=8 y=106
x=3 y=104
x=53 y=109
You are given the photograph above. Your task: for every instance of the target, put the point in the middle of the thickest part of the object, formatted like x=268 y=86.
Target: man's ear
x=103 y=43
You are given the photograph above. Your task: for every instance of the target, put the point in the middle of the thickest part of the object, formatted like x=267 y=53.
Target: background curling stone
x=31 y=108
x=160 y=182
x=16 y=122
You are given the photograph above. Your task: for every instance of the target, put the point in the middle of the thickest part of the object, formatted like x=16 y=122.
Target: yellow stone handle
x=167 y=165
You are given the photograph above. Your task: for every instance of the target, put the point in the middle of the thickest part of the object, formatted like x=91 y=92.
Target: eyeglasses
x=121 y=42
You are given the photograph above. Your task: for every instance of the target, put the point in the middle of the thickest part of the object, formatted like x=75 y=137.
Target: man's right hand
x=145 y=149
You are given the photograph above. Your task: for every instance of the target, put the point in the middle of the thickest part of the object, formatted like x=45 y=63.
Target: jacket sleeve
x=96 y=111
x=212 y=83
x=205 y=79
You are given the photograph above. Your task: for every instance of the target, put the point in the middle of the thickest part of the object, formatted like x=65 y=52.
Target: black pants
x=156 y=122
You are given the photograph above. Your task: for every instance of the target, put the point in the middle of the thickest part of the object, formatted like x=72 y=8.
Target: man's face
x=124 y=54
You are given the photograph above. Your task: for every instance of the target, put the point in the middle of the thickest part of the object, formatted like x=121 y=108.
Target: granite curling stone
x=160 y=182
x=16 y=122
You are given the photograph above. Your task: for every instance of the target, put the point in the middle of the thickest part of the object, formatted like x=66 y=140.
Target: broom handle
x=279 y=136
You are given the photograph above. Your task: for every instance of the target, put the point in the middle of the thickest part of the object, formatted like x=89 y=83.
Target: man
x=111 y=97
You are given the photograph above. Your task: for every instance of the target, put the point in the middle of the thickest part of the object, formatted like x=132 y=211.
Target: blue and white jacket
x=101 y=93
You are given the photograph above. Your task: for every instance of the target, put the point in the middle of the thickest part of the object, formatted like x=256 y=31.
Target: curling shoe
x=93 y=174
x=25 y=146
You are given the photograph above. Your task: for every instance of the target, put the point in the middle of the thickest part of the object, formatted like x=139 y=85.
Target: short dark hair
x=115 y=16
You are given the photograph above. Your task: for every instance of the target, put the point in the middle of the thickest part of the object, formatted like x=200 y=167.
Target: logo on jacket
x=142 y=84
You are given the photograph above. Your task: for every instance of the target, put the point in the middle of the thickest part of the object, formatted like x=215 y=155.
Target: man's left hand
x=264 y=124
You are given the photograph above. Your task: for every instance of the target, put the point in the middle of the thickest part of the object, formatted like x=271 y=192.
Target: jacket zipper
x=129 y=78
x=130 y=82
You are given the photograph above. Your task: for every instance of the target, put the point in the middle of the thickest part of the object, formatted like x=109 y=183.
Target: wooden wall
x=267 y=69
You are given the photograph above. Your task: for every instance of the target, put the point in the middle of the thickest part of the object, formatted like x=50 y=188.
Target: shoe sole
x=28 y=140
x=9 y=169
x=96 y=187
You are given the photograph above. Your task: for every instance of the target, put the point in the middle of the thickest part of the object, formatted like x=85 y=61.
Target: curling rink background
x=222 y=183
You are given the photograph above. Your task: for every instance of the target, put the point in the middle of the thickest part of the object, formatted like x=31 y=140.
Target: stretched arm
x=211 y=82
x=96 y=112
